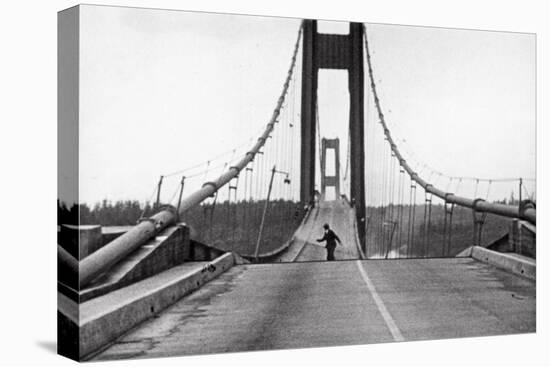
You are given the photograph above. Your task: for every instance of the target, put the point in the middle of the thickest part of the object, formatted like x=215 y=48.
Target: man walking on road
x=331 y=239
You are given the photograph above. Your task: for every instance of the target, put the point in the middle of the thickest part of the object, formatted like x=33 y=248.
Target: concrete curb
x=467 y=252
x=103 y=322
x=517 y=264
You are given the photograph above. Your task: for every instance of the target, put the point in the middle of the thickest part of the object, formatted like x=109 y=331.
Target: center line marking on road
x=394 y=330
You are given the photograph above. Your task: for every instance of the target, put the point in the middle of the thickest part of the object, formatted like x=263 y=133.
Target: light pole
x=262 y=223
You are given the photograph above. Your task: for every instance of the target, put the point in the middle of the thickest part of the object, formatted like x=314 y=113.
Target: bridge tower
x=334 y=51
x=330 y=181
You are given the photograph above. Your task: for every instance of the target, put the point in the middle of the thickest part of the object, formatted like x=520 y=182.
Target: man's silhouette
x=331 y=239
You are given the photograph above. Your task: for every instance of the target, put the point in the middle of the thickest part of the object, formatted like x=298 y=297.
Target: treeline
x=228 y=226
x=235 y=226
x=127 y=212
x=105 y=213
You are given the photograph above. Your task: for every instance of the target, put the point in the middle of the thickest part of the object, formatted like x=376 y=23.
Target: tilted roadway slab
x=341 y=218
x=316 y=304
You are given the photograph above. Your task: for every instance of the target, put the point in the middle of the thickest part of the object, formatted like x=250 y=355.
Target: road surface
x=316 y=304
x=341 y=218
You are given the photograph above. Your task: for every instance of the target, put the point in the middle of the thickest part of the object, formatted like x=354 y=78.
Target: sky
x=163 y=90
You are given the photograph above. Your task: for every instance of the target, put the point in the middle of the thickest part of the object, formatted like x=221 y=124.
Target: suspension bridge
x=226 y=258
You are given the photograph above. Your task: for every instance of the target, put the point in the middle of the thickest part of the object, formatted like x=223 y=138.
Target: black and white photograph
x=236 y=181
x=246 y=183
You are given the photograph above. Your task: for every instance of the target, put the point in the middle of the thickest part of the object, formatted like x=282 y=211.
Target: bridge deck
x=296 y=305
x=341 y=218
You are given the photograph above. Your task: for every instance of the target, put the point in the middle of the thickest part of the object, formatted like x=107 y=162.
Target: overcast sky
x=163 y=90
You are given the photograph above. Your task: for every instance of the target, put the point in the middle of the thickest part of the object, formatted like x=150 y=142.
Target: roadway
x=341 y=218
x=316 y=304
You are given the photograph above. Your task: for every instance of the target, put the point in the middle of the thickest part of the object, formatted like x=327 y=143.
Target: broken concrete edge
x=514 y=263
x=97 y=329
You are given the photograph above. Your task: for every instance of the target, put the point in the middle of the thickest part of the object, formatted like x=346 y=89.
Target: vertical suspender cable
x=400 y=201
x=412 y=215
